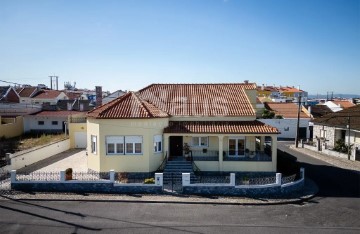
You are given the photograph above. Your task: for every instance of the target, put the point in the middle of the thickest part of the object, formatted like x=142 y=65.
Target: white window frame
x=237 y=150
x=199 y=141
x=115 y=141
x=93 y=140
x=323 y=133
x=158 y=145
x=133 y=141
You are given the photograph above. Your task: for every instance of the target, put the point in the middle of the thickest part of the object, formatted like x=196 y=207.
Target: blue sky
x=130 y=44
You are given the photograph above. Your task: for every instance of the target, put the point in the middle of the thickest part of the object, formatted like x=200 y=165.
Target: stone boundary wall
x=332 y=153
x=78 y=186
x=230 y=189
x=27 y=157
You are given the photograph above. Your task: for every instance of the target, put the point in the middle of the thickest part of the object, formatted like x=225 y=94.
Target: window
x=157 y=143
x=237 y=146
x=323 y=133
x=114 y=145
x=41 y=122
x=133 y=144
x=93 y=144
x=54 y=122
x=200 y=141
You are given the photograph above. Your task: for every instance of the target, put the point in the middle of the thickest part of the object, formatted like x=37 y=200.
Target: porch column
x=221 y=138
x=262 y=142
x=274 y=151
x=166 y=145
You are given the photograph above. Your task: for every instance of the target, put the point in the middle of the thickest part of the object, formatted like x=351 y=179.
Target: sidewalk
x=338 y=162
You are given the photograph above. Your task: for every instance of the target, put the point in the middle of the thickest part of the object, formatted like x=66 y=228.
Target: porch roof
x=217 y=127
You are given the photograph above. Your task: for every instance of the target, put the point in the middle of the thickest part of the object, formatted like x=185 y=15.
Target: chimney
x=98 y=91
x=246 y=81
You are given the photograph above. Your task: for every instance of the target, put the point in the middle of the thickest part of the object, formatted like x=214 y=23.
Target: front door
x=176 y=146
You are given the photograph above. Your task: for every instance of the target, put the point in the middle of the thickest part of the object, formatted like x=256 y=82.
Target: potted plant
x=186 y=149
x=68 y=174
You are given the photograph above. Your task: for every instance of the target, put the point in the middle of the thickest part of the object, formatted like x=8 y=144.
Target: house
x=318 y=111
x=50 y=97
x=8 y=95
x=113 y=96
x=342 y=125
x=26 y=93
x=338 y=105
x=49 y=121
x=139 y=130
x=285 y=119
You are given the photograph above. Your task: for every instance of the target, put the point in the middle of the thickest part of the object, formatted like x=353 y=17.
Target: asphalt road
x=334 y=210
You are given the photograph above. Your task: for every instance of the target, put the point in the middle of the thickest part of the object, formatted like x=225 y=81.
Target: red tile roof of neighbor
x=341 y=118
x=287 y=110
x=343 y=103
x=47 y=94
x=26 y=91
x=162 y=100
x=59 y=113
x=235 y=127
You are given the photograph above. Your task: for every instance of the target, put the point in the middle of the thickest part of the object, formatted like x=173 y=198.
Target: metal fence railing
x=288 y=179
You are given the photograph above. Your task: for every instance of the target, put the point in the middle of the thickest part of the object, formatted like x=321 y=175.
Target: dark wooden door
x=176 y=146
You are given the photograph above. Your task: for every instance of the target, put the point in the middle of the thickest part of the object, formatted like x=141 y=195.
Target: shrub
x=341 y=147
x=149 y=181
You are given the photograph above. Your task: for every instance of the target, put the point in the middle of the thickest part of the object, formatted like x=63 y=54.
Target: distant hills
x=335 y=95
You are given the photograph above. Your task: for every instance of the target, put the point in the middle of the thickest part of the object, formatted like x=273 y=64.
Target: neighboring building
x=26 y=93
x=282 y=94
x=49 y=121
x=137 y=131
x=338 y=105
x=113 y=96
x=318 y=111
x=8 y=95
x=287 y=125
x=50 y=97
x=75 y=105
x=343 y=125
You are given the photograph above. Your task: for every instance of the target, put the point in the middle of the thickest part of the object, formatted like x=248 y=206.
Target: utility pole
x=349 y=148
x=298 y=123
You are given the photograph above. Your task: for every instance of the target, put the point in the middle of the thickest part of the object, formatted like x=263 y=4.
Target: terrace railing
x=233 y=155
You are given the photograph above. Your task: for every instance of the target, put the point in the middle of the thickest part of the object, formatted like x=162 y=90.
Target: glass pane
x=137 y=148
x=159 y=146
x=129 y=148
x=232 y=147
x=111 y=148
x=195 y=141
x=241 y=146
x=204 y=141
x=119 y=148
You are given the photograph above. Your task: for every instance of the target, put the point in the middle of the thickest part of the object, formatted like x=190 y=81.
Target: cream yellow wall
x=148 y=161
x=212 y=118
x=248 y=166
x=75 y=127
x=263 y=93
x=11 y=127
x=93 y=159
x=251 y=94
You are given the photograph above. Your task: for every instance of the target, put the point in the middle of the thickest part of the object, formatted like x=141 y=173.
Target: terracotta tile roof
x=287 y=110
x=343 y=103
x=200 y=99
x=216 y=127
x=340 y=118
x=126 y=107
x=290 y=89
x=26 y=91
x=59 y=113
x=320 y=110
x=47 y=94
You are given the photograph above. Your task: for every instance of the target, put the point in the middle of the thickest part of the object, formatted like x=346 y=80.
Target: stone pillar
x=112 y=176
x=159 y=179
x=232 y=179
x=274 y=151
x=185 y=179
x=302 y=173
x=221 y=144
x=278 y=178
x=13 y=176
x=62 y=176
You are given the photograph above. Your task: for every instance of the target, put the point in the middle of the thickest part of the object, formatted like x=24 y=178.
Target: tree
x=268 y=114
